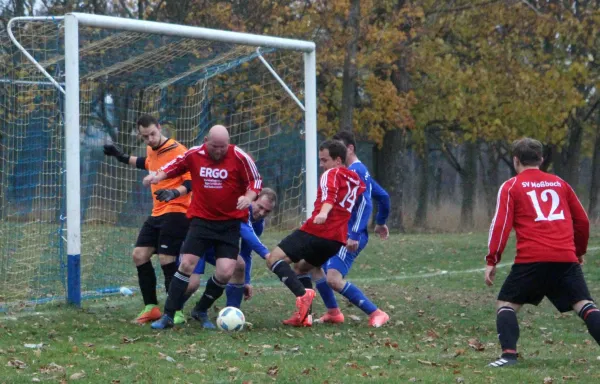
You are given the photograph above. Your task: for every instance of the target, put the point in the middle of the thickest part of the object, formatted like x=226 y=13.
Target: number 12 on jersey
x=545 y=195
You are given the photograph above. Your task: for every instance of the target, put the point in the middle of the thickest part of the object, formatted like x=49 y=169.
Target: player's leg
x=193 y=247
x=235 y=288
x=525 y=284
x=226 y=237
x=145 y=247
x=193 y=285
x=291 y=248
x=571 y=292
x=215 y=286
x=173 y=229
x=306 y=280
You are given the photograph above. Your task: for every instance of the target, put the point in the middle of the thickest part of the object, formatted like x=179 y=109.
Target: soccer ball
x=231 y=319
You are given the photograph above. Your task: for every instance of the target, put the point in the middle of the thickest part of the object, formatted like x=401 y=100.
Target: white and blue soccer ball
x=231 y=319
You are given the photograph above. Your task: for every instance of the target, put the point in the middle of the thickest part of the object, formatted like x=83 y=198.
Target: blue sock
x=358 y=298
x=235 y=294
x=326 y=293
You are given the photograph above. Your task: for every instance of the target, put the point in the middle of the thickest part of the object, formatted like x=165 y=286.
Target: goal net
x=188 y=83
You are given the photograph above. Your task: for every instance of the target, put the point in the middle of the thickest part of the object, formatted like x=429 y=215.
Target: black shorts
x=300 y=245
x=562 y=283
x=203 y=234
x=164 y=233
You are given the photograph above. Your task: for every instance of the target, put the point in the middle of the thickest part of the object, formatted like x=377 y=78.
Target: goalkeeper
x=165 y=229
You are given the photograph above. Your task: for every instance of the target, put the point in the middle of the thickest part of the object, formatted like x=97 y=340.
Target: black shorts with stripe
x=164 y=233
x=562 y=283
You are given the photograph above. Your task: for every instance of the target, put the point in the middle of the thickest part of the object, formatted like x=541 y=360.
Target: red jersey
x=550 y=222
x=339 y=187
x=217 y=185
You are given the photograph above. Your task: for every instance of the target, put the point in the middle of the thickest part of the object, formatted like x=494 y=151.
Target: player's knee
x=193 y=285
x=187 y=265
x=141 y=255
x=273 y=257
x=166 y=259
x=240 y=266
x=584 y=307
x=336 y=282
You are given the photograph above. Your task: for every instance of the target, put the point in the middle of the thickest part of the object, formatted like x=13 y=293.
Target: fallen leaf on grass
x=273 y=371
x=18 y=364
x=459 y=352
x=354 y=317
x=233 y=369
x=129 y=340
x=52 y=367
x=548 y=380
x=476 y=345
x=569 y=377
x=425 y=362
x=168 y=358
x=77 y=376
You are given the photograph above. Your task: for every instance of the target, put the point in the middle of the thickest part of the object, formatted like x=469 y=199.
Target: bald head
x=217 y=142
x=218 y=132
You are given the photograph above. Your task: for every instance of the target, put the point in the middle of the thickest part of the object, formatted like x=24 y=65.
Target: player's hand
x=490 y=275
x=243 y=202
x=248 y=292
x=113 y=150
x=581 y=259
x=150 y=179
x=166 y=195
x=352 y=245
x=320 y=218
x=383 y=231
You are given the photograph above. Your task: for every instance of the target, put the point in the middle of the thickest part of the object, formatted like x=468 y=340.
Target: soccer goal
x=69 y=217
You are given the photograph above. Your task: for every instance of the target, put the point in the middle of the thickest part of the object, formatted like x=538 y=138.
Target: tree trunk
x=438 y=187
x=566 y=163
x=490 y=181
x=469 y=180
x=593 y=210
x=423 y=194
x=350 y=71
x=141 y=9
x=390 y=173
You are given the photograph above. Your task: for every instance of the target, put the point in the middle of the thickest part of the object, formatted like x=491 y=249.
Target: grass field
x=442 y=331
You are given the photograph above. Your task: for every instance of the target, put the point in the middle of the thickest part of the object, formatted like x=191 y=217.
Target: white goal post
x=72 y=25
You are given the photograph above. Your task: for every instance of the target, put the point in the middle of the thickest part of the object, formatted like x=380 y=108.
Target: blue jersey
x=364 y=206
x=250 y=233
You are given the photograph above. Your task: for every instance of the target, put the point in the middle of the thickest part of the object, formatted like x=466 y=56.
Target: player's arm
x=383 y=202
x=502 y=224
x=174 y=168
x=329 y=188
x=167 y=195
x=250 y=242
x=250 y=176
x=581 y=223
x=112 y=150
x=383 y=209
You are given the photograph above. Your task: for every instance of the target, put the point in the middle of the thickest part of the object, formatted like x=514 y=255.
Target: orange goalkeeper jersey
x=155 y=160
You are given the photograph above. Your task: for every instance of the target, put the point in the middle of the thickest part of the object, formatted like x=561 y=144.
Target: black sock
x=214 y=290
x=186 y=297
x=306 y=281
x=288 y=277
x=177 y=290
x=168 y=271
x=508 y=331
x=591 y=316
x=147 y=281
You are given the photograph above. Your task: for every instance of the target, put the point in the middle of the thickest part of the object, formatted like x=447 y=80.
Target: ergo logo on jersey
x=214 y=173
